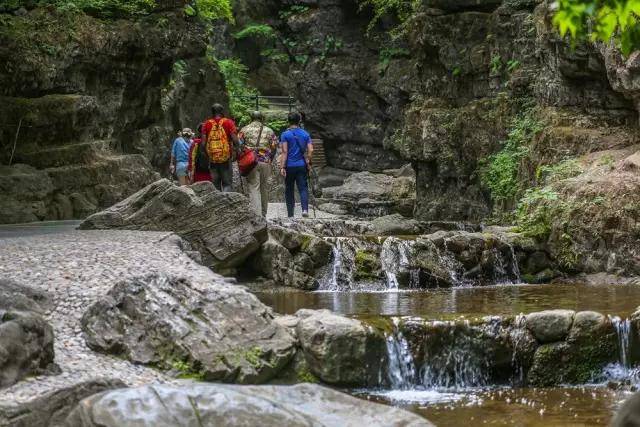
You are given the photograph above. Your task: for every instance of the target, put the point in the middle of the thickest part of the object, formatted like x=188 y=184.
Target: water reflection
x=619 y=300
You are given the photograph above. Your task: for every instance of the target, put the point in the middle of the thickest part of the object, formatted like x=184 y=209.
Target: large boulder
x=216 y=405
x=579 y=354
x=450 y=258
x=26 y=338
x=339 y=350
x=211 y=331
x=370 y=194
x=550 y=325
x=221 y=226
x=51 y=409
x=292 y=259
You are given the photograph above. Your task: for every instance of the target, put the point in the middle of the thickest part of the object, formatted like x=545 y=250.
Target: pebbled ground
x=76 y=267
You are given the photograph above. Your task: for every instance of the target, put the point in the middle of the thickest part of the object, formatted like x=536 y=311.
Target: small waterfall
x=395 y=257
x=623 y=330
x=458 y=364
x=335 y=267
x=401 y=370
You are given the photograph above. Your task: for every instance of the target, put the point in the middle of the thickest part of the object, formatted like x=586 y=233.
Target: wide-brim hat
x=187 y=131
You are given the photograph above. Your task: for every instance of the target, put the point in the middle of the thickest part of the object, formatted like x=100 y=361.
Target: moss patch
x=367 y=265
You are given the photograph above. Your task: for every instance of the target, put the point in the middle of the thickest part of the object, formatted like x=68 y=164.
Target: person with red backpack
x=198 y=160
x=220 y=140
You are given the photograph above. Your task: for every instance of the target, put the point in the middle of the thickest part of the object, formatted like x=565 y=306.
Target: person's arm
x=172 y=161
x=283 y=157
x=309 y=153
x=191 y=166
x=273 y=147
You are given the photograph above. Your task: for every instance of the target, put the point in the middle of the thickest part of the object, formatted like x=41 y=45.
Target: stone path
x=76 y=268
x=279 y=210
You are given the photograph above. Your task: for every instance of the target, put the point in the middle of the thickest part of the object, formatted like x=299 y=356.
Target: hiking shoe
x=305 y=214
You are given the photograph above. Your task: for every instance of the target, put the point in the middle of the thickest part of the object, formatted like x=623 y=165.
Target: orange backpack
x=218 y=147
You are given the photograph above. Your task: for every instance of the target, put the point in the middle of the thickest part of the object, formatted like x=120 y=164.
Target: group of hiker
x=209 y=153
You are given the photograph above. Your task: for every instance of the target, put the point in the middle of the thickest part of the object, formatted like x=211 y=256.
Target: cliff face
x=470 y=79
x=97 y=103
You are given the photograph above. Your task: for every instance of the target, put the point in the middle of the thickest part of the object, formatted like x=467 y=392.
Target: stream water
x=620 y=300
x=468 y=397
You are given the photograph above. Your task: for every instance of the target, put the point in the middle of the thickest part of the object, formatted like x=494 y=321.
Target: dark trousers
x=296 y=176
x=221 y=175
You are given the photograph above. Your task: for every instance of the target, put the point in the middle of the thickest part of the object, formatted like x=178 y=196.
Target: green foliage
x=178 y=72
x=496 y=64
x=274 y=55
x=499 y=172
x=607 y=160
x=292 y=11
x=213 y=9
x=237 y=85
x=389 y=53
x=278 y=125
x=187 y=371
x=512 y=65
x=535 y=212
x=332 y=45
x=101 y=8
x=257 y=31
x=601 y=20
x=399 y=9
x=548 y=174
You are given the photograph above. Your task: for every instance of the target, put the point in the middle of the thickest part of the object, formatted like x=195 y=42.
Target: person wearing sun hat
x=180 y=156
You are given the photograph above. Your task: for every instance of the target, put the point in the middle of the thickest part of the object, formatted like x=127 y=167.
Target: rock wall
x=97 y=103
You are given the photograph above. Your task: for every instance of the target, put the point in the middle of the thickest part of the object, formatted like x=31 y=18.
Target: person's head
x=187 y=133
x=294 y=119
x=217 y=109
x=256 y=116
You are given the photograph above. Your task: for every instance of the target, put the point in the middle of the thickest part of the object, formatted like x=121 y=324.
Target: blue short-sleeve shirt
x=180 y=150
x=297 y=141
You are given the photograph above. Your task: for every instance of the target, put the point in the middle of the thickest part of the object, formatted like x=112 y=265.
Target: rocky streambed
x=435 y=320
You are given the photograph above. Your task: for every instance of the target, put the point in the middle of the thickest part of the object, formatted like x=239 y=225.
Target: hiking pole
x=313 y=195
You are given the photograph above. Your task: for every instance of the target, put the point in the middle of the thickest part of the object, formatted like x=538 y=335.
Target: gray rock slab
x=217 y=405
x=221 y=333
x=221 y=226
x=52 y=409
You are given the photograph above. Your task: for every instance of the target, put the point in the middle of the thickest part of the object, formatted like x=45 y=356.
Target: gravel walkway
x=76 y=268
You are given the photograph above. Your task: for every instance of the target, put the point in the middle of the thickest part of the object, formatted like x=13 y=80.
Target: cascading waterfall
x=456 y=365
x=394 y=257
x=401 y=370
x=623 y=370
x=623 y=330
x=335 y=267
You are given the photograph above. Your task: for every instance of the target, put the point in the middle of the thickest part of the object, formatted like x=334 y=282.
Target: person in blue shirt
x=180 y=156
x=296 y=149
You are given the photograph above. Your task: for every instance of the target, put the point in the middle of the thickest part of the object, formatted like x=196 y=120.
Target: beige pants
x=258 y=187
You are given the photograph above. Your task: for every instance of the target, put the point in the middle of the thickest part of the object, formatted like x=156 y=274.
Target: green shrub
x=548 y=174
x=536 y=211
x=258 y=31
x=499 y=173
x=213 y=9
x=292 y=11
x=237 y=85
x=496 y=64
x=399 y=9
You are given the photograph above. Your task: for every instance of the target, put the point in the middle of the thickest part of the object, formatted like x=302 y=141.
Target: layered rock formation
x=292 y=259
x=221 y=226
x=223 y=334
x=92 y=106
